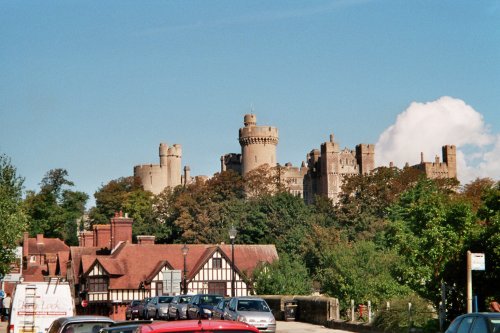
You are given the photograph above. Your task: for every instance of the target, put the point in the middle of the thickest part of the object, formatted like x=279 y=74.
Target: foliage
x=360 y=271
x=430 y=231
x=111 y=198
x=286 y=276
x=401 y=316
x=12 y=217
x=54 y=210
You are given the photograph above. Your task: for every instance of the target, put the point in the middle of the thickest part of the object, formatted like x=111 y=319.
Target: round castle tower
x=258 y=144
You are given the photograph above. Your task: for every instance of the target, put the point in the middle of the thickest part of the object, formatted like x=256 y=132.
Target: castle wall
x=437 y=169
x=174 y=167
x=153 y=177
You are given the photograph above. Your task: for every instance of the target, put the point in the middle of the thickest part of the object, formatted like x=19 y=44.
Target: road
x=297 y=327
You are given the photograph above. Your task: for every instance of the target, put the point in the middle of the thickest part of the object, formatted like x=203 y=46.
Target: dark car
x=202 y=305
x=215 y=326
x=132 y=310
x=477 y=322
x=178 y=307
x=218 y=312
x=91 y=324
x=142 y=307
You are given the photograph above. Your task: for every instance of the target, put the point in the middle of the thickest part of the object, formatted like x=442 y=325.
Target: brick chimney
x=102 y=236
x=25 y=244
x=51 y=260
x=144 y=240
x=121 y=229
x=86 y=239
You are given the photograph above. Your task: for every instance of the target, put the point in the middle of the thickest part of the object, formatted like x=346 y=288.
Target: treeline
x=393 y=234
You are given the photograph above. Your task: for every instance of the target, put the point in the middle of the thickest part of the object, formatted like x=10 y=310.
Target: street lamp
x=185 y=251
x=232 y=236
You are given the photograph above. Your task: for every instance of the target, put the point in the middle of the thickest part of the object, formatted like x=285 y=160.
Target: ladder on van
x=30 y=308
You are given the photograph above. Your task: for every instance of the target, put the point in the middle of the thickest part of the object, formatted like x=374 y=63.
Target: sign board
x=12 y=277
x=84 y=303
x=477 y=262
x=172 y=282
x=2 y=294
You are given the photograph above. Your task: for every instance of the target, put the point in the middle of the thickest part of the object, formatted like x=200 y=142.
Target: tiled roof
x=132 y=263
x=63 y=258
x=49 y=245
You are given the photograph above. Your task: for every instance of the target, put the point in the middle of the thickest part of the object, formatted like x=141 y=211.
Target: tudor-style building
x=108 y=279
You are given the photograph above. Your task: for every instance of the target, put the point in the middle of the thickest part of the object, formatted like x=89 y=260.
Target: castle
x=321 y=174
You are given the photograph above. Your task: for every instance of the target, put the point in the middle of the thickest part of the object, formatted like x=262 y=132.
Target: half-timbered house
x=135 y=271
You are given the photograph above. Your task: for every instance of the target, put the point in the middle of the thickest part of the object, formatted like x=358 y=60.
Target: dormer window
x=98 y=284
x=217 y=263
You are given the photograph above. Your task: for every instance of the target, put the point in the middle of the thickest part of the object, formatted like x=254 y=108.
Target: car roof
x=79 y=319
x=483 y=314
x=199 y=325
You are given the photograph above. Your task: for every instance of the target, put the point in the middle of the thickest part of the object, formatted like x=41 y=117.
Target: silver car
x=253 y=311
x=178 y=307
x=157 y=307
x=79 y=324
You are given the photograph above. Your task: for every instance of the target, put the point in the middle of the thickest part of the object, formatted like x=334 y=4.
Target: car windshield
x=134 y=303
x=165 y=299
x=185 y=299
x=208 y=299
x=252 y=305
x=88 y=327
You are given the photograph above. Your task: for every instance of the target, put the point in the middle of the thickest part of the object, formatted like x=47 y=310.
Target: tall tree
x=431 y=232
x=55 y=209
x=12 y=217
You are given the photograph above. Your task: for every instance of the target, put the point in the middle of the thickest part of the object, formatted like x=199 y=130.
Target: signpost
x=475 y=262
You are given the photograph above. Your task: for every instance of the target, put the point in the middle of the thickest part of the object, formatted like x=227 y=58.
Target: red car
x=198 y=326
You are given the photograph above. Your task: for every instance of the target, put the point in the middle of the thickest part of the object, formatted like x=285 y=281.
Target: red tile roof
x=133 y=263
x=49 y=245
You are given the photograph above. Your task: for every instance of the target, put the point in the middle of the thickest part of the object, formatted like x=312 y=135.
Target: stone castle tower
x=156 y=177
x=436 y=169
x=258 y=144
x=329 y=165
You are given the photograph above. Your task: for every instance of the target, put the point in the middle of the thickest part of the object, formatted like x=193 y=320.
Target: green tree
x=111 y=198
x=431 y=232
x=360 y=271
x=55 y=209
x=12 y=217
x=285 y=276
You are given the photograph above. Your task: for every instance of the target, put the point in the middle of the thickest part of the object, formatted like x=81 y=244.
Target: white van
x=35 y=305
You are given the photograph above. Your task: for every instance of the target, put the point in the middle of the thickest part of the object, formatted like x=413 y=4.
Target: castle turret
x=258 y=144
x=365 y=156
x=450 y=158
x=174 y=165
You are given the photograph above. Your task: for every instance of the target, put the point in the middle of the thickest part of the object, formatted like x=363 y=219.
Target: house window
x=217 y=263
x=98 y=284
x=32 y=258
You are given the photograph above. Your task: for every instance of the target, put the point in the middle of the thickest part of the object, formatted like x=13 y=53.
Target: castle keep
x=321 y=174
x=156 y=177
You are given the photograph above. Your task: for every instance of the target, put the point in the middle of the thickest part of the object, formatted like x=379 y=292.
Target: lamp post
x=232 y=236
x=185 y=251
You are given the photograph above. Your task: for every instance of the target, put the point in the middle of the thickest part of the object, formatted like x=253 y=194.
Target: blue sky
x=94 y=86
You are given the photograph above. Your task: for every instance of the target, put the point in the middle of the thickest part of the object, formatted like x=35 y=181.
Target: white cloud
x=426 y=127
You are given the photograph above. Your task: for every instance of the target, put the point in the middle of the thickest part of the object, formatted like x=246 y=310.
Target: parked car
x=142 y=307
x=201 y=305
x=253 y=311
x=124 y=326
x=218 y=312
x=157 y=307
x=476 y=322
x=178 y=307
x=78 y=324
x=132 y=310
x=209 y=326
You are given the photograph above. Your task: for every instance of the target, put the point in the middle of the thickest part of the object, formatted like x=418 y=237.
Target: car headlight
x=207 y=311
x=242 y=318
